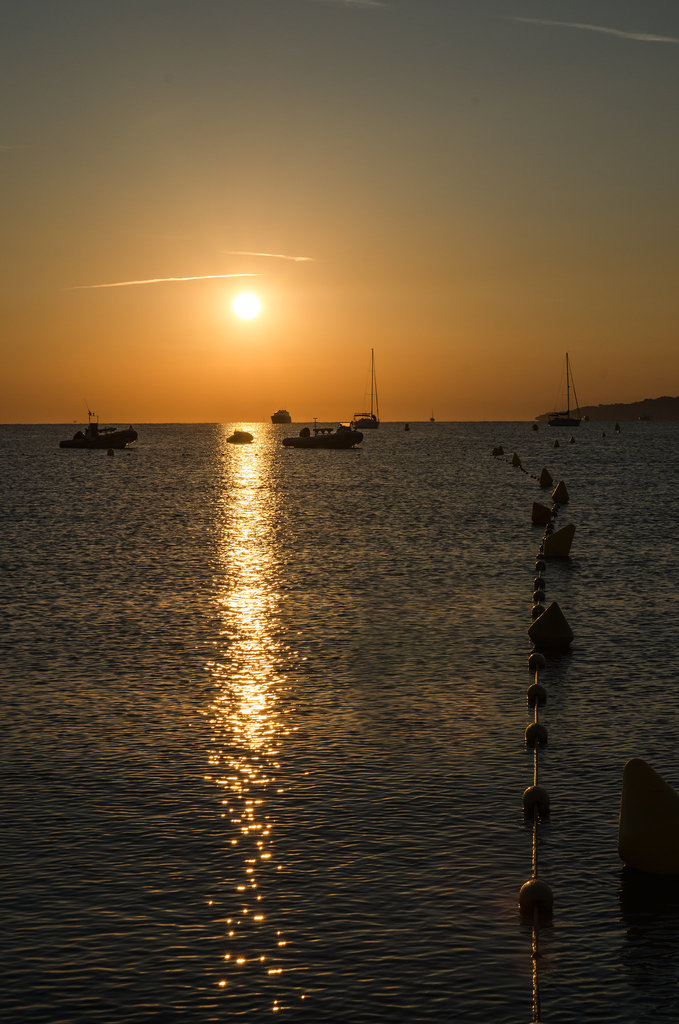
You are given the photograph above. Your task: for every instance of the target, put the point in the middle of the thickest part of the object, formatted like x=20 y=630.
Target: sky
x=469 y=187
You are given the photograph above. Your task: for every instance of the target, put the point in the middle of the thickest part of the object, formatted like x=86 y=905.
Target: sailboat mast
x=373 y=386
x=568 y=389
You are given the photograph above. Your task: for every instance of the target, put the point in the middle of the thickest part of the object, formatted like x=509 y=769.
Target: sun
x=246 y=305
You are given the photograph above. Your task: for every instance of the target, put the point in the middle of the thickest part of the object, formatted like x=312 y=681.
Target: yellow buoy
x=560 y=494
x=540 y=513
x=558 y=544
x=551 y=630
x=648 y=829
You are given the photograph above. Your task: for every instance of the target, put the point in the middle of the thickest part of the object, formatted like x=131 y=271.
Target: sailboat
x=369 y=420
x=566 y=419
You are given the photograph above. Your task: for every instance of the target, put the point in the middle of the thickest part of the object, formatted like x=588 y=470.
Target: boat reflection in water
x=246 y=723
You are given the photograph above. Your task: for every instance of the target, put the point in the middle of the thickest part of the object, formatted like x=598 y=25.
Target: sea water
x=263 y=718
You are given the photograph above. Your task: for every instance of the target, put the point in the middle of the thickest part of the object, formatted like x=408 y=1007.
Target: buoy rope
x=535 y=897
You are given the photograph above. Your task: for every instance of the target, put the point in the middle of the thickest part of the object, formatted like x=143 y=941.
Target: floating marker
x=571 y=440
x=648 y=829
x=499 y=450
x=536 y=694
x=556 y=444
x=558 y=544
x=536 y=894
x=536 y=661
x=560 y=494
x=550 y=630
x=535 y=426
x=545 y=479
x=516 y=461
x=535 y=797
x=540 y=514
x=536 y=734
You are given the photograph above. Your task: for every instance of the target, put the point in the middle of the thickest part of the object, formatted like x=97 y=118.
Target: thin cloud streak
x=640 y=37
x=270 y=255
x=161 y=280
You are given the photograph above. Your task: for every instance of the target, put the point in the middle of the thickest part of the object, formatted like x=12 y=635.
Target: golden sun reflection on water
x=246 y=725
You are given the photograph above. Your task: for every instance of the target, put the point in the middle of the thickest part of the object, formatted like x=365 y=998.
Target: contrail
x=640 y=37
x=271 y=255
x=162 y=280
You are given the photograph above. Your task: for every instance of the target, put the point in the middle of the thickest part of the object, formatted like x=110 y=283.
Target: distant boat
x=431 y=418
x=240 y=437
x=325 y=437
x=369 y=420
x=281 y=416
x=94 y=436
x=565 y=419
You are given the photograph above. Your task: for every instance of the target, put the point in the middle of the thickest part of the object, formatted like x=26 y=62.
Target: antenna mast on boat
x=373 y=386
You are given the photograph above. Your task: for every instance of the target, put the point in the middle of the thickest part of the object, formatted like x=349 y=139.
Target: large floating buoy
x=648 y=829
x=545 y=479
x=558 y=544
x=540 y=514
x=550 y=630
x=560 y=494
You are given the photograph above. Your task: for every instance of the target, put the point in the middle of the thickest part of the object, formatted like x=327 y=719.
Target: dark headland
x=648 y=409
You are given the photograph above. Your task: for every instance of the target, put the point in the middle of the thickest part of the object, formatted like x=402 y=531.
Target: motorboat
x=325 y=437
x=94 y=436
x=240 y=437
x=281 y=416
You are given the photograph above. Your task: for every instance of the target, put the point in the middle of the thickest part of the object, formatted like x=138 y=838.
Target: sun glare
x=247 y=306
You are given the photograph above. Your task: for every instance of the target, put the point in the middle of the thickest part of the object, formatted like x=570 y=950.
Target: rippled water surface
x=263 y=726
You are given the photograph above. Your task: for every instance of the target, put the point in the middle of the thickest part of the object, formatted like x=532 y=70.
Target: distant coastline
x=664 y=408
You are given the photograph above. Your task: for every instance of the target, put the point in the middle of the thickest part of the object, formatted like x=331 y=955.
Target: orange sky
x=474 y=194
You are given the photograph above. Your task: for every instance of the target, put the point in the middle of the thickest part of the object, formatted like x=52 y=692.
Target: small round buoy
x=535 y=426
x=536 y=611
x=535 y=797
x=536 y=734
x=538 y=583
x=499 y=450
x=538 y=595
x=536 y=895
x=536 y=661
x=536 y=694
x=110 y=451
x=540 y=565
